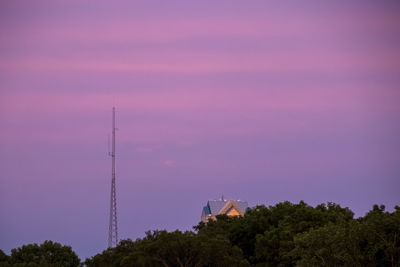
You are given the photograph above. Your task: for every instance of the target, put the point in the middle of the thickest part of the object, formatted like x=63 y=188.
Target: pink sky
x=260 y=101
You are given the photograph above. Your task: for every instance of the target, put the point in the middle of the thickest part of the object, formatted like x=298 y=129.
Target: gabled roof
x=231 y=204
x=216 y=207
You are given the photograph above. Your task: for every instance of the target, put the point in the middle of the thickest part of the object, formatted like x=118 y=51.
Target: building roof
x=214 y=207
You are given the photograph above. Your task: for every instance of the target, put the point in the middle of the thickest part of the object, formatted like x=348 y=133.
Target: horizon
x=263 y=102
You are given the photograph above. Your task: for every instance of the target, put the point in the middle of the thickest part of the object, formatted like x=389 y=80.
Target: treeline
x=282 y=235
x=47 y=254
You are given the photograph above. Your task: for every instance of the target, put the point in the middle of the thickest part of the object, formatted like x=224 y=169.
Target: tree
x=274 y=246
x=282 y=235
x=112 y=257
x=183 y=249
x=48 y=254
x=382 y=236
x=4 y=259
x=241 y=231
x=330 y=245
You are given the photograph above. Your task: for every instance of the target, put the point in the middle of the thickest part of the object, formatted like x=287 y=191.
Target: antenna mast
x=113 y=227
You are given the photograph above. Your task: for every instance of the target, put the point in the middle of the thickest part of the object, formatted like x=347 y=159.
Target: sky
x=263 y=101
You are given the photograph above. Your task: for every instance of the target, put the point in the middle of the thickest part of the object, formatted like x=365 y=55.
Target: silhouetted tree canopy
x=282 y=235
x=48 y=254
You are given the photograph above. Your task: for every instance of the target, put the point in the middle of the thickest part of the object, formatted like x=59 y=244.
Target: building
x=223 y=206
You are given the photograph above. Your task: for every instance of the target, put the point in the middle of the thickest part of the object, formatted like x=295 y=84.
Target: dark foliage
x=282 y=235
x=48 y=254
x=161 y=248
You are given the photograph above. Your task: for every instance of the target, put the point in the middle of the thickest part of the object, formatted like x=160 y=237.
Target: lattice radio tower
x=113 y=227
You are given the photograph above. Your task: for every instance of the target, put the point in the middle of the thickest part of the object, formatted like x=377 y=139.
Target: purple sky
x=260 y=101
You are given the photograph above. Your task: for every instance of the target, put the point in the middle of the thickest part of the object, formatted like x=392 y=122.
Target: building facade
x=223 y=206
